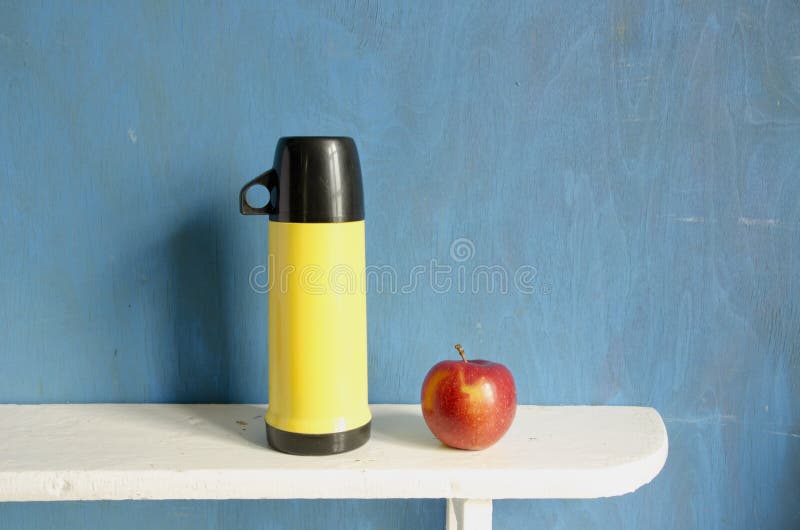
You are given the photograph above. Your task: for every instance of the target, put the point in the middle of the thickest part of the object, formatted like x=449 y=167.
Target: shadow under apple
x=407 y=428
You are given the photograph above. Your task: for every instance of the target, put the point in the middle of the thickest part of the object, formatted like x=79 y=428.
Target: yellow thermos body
x=317 y=323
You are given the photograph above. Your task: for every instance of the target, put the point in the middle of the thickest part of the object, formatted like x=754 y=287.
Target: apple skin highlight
x=468 y=404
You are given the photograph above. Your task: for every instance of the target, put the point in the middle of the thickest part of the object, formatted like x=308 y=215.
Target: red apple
x=468 y=404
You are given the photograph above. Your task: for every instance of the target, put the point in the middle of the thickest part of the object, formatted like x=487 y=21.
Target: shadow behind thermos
x=317 y=320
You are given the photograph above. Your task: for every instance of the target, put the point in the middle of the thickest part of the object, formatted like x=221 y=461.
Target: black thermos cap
x=314 y=179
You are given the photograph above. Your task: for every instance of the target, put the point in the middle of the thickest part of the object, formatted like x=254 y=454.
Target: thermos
x=317 y=314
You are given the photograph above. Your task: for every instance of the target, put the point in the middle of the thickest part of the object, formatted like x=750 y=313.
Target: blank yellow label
x=317 y=327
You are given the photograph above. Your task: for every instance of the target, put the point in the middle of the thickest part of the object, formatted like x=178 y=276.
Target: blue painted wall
x=643 y=156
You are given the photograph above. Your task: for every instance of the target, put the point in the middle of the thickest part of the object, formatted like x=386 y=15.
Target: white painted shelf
x=167 y=451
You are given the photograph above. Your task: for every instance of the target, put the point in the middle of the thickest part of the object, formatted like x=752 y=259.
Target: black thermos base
x=317 y=444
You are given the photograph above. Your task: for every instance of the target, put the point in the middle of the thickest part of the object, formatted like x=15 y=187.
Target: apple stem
x=460 y=350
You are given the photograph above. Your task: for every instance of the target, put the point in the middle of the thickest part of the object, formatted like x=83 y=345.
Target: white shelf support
x=469 y=514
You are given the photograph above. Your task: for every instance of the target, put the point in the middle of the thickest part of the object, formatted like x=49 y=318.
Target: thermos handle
x=268 y=179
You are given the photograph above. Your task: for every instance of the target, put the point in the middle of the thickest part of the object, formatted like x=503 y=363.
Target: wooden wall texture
x=644 y=157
